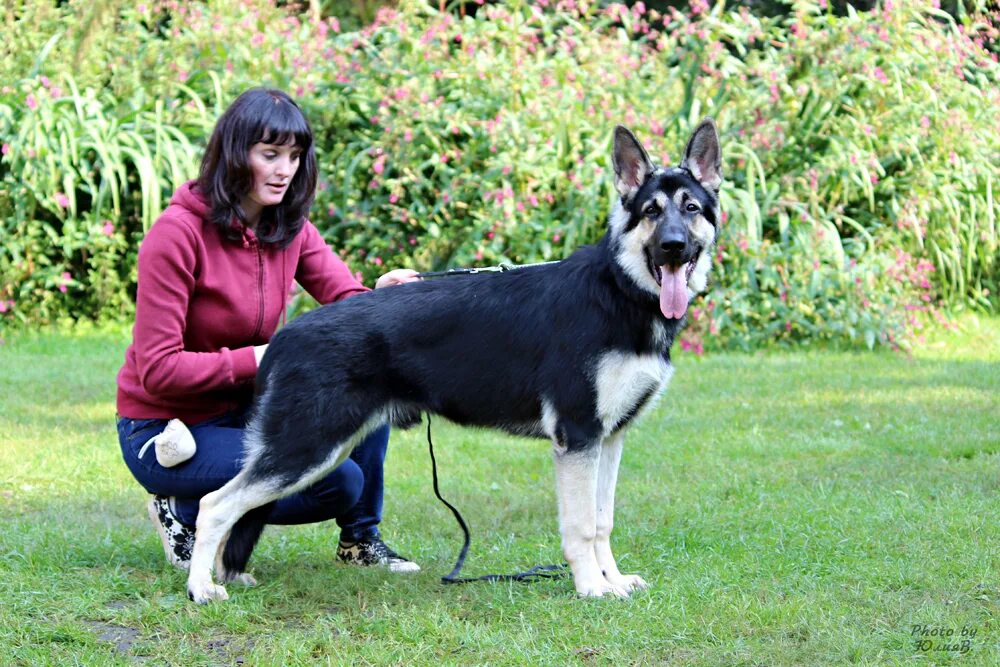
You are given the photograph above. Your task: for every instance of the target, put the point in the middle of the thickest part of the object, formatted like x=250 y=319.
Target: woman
x=214 y=274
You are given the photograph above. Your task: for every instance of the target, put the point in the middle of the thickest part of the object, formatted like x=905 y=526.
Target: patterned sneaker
x=177 y=539
x=374 y=552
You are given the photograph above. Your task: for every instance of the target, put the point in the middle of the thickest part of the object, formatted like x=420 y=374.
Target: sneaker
x=374 y=552
x=177 y=538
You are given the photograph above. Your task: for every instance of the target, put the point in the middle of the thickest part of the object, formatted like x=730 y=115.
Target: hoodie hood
x=190 y=198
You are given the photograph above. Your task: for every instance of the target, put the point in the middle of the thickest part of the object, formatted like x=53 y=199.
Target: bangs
x=279 y=123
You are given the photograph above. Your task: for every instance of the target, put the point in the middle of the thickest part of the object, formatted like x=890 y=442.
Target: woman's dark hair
x=258 y=115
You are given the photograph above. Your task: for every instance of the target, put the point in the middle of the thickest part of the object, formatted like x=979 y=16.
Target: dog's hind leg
x=576 y=490
x=218 y=513
x=607 y=477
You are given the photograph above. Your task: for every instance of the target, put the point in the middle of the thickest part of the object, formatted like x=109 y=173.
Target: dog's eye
x=651 y=211
x=692 y=207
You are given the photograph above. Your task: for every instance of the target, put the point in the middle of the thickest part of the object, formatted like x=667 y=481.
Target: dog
x=573 y=352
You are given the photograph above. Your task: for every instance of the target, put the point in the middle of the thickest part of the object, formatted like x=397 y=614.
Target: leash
x=499 y=268
x=539 y=571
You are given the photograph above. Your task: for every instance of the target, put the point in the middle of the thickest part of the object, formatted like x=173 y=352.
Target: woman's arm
x=167 y=262
x=321 y=272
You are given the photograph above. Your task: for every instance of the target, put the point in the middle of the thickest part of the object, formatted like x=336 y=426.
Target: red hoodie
x=203 y=303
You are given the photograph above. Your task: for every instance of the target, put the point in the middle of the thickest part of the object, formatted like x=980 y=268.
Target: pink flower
x=379 y=165
x=556 y=238
x=393 y=198
x=5 y=150
x=66 y=277
x=3 y=306
x=378 y=261
x=31 y=102
x=62 y=201
x=45 y=81
x=108 y=228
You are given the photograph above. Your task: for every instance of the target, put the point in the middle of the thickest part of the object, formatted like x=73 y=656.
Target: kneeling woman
x=214 y=274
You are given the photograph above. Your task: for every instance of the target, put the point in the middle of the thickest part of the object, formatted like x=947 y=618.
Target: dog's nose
x=672 y=243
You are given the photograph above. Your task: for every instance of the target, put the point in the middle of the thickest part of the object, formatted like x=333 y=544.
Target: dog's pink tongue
x=673 y=292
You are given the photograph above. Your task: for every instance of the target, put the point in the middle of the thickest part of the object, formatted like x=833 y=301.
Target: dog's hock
x=630 y=161
x=703 y=155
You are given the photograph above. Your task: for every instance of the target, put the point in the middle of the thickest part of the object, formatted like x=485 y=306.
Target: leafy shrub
x=451 y=141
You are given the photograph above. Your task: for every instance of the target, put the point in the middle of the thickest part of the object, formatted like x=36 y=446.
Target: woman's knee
x=340 y=489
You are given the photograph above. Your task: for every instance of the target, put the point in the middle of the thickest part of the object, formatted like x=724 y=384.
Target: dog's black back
x=480 y=349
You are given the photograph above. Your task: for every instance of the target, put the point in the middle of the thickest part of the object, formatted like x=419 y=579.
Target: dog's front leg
x=607 y=478
x=576 y=488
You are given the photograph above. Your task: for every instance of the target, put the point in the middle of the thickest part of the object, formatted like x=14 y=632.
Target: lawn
x=786 y=508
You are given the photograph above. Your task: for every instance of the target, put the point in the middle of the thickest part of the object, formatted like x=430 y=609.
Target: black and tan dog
x=572 y=352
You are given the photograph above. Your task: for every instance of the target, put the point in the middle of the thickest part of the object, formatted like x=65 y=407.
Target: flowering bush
x=448 y=141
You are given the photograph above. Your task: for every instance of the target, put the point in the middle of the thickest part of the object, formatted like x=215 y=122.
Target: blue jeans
x=351 y=493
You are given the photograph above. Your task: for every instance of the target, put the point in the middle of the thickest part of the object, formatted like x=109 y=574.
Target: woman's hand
x=258 y=353
x=396 y=277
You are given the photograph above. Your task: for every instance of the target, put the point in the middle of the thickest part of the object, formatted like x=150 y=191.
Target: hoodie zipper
x=260 y=288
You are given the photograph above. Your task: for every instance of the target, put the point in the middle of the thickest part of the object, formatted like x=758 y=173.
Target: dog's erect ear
x=703 y=155
x=631 y=162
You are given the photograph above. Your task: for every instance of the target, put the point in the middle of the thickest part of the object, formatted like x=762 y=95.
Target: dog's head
x=666 y=221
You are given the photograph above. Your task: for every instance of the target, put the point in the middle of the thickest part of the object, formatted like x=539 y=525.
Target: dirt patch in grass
x=229 y=650
x=124 y=639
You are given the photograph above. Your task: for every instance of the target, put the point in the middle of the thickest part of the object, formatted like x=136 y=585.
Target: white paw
x=630 y=582
x=245 y=578
x=600 y=588
x=203 y=594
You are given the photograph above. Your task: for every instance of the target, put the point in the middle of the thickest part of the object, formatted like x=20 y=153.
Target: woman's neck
x=251 y=210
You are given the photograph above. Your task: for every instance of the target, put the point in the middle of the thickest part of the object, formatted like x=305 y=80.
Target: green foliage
x=858 y=147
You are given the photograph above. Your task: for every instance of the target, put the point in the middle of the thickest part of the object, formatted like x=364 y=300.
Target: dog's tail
x=242 y=540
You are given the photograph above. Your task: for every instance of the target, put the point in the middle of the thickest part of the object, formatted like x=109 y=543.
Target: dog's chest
x=625 y=384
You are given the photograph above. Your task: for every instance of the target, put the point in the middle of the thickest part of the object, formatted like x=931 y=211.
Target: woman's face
x=273 y=167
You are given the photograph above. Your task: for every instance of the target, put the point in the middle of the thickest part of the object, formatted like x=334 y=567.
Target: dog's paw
x=630 y=582
x=203 y=594
x=227 y=577
x=598 y=589
x=244 y=578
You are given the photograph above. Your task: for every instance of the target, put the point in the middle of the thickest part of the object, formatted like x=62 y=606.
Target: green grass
x=786 y=509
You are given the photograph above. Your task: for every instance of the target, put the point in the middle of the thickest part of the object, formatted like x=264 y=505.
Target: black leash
x=539 y=571
x=499 y=268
